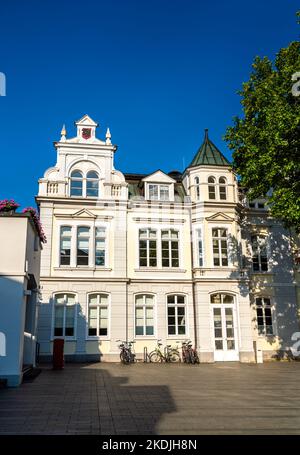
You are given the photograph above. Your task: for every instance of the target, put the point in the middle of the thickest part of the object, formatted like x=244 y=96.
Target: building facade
x=20 y=248
x=170 y=256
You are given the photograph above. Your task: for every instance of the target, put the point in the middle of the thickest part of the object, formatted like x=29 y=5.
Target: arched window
x=222 y=188
x=76 y=183
x=144 y=314
x=98 y=315
x=197 y=185
x=211 y=188
x=221 y=299
x=92 y=184
x=64 y=315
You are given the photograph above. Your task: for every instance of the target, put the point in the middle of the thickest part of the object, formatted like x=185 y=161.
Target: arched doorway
x=224 y=322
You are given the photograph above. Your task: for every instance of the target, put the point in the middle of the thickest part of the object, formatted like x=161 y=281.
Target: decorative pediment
x=219 y=217
x=86 y=120
x=84 y=213
x=158 y=177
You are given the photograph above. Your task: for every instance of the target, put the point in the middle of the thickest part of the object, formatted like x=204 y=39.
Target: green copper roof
x=209 y=154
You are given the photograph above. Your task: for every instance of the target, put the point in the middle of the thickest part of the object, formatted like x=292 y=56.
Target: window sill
x=261 y=273
x=63 y=338
x=175 y=337
x=83 y=267
x=156 y=269
x=98 y=338
x=262 y=337
x=145 y=337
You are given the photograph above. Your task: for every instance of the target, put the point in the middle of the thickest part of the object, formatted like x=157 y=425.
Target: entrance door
x=225 y=330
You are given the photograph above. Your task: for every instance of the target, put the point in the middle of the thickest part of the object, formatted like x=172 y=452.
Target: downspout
x=192 y=276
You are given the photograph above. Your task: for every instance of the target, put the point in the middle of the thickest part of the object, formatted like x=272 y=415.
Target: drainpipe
x=193 y=282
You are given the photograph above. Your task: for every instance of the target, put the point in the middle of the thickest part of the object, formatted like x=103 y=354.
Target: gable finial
x=63 y=133
x=206 y=134
x=108 y=137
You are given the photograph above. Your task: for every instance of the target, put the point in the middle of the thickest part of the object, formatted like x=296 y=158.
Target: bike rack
x=146 y=357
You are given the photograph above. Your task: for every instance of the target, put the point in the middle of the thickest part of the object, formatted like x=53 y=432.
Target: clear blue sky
x=156 y=72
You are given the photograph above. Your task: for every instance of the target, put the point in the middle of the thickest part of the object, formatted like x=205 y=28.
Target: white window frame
x=176 y=305
x=147 y=240
x=92 y=244
x=60 y=244
x=158 y=230
x=273 y=316
x=170 y=240
x=158 y=186
x=77 y=179
x=94 y=179
x=98 y=305
x=259 y=255
x=219 y=246
x=84 y=183
x=89 y=245
x=214 y=185
x=197 y=187
x=199 y=240
x=105 y=245
x=222 y=185
x=144 y=294
x=75 y=305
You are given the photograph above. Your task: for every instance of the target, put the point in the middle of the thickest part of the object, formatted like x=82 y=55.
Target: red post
x=58 y=354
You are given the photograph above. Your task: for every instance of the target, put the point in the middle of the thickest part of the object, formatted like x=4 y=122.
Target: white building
x=20 y=249
x=160 y=256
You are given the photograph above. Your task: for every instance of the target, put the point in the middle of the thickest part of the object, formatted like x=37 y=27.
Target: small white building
x=20 y=249
x=169 y=256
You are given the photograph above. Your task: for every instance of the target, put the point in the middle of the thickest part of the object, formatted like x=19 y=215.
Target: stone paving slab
x=110 y=398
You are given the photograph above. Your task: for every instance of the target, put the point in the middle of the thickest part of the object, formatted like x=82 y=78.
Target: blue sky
x=156 y=72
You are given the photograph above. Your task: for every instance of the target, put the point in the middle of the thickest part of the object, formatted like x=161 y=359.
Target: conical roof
x=209 y=154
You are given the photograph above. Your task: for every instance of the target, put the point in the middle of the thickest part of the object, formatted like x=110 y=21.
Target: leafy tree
x=266 y=140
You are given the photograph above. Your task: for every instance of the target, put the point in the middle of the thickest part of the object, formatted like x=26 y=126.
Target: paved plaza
x=110 y=398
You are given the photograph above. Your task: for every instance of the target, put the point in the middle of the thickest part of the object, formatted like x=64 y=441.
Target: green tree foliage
x=266 y=140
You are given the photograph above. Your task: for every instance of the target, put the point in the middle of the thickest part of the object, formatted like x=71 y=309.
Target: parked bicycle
x=169 y=355
x=126 y=354
x=189 y=354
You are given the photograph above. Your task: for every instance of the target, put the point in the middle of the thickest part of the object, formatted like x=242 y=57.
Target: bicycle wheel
x=124 y=357
x=196 y=357
x=154 y=357
x=173 y=356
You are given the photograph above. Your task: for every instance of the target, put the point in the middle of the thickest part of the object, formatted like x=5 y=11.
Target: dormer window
x=159 y=192
x=76 y=183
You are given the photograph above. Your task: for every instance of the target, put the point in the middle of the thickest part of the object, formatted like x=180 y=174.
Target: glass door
x=225 y=332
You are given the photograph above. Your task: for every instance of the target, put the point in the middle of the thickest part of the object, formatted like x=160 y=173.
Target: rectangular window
x=98 y=315
x=200 y=247
x=220 y=252
x=170 y=248
x=147 y=248
x=259 y=253
x=64 y=315
x=83 y=238
x=264 y=316
x=144 y=315
x=153 y=192
x=65 y=245
x=159 y=192
x=164 y=192
x=100 y=246
x=176 y=315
